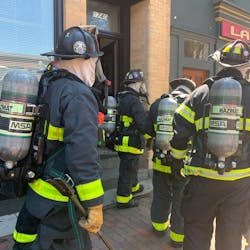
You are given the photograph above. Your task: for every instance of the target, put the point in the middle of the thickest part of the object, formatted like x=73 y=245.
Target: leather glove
x=94 y=221
x=176 y=166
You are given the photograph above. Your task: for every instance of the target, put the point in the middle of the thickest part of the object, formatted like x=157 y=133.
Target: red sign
x=234 y=31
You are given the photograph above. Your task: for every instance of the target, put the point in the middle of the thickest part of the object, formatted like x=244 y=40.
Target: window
x=104 y=15
x=196 y=49
x=27 y=29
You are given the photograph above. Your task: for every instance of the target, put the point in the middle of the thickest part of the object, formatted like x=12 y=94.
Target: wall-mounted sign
x=234 y=31
x=101 y=20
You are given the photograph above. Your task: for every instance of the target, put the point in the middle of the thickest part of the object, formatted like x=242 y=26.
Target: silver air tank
x=225 y=113
x=17 y=103
x=164 y=132
x=110 y=118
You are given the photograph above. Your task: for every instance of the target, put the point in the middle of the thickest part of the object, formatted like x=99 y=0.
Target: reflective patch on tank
x=218 y=124
x=165 y=128
x=20 y=125
x=227 y=109
x=9 y=107
x=166 y=119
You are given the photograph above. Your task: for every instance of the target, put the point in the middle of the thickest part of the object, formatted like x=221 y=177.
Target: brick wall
x=74 y=13
x=150 y=41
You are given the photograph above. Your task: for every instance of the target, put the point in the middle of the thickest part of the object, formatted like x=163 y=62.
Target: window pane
x=196 y=49
x=104 y=15
x=27 y=28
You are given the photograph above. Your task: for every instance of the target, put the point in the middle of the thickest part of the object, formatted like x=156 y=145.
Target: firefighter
x=167 y=190
x=130 y=141
x=219 y=167
x=47 y=219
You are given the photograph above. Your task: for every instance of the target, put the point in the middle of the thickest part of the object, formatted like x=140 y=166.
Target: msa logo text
x=17 y=125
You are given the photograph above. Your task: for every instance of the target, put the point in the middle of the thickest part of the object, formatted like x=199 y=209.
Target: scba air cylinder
x=164 y=133
x=17 y=106
x=225 y=113
x=110 y=118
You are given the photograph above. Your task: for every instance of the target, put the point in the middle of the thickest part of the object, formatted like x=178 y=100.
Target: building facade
x=198 y=28
x=132 y=34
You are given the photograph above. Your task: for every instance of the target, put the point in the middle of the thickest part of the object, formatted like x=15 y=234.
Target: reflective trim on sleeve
x=23 y=238
x=160 y=226
x=55 y=133
x=124 y=199
x=234 y=174
x=161 y=168
x=126 y=120
x=176 y=237
x=199 y=123
x=89 y=191
x=186 y=112
x=47 y=190
x=178 y=154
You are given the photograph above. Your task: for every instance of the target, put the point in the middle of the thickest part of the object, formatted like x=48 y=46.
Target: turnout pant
x=128 y=170
x=205 y=200
x=50 y=222
x=167 y=198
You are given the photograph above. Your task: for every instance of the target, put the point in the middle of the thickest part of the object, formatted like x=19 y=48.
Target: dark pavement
x=125 y=229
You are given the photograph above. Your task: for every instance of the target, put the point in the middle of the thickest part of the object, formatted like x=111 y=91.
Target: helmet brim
x=85 y=56
x=182 y=81
x=128 y=81
x=216 y=57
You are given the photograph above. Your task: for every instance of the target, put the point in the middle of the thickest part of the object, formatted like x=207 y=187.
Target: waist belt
x=234 y=174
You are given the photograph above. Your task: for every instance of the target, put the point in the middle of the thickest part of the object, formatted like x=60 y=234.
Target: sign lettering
x=234 y=31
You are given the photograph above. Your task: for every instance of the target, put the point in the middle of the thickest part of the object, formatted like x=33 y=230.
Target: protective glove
x=176 y=166
x=94 y=221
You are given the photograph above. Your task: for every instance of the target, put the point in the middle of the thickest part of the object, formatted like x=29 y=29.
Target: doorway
x=197 y=75
x=110 y=61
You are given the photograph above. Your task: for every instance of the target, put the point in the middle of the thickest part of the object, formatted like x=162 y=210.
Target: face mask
x=83 y=69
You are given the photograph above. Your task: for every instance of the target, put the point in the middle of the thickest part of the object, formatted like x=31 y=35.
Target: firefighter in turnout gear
x=130 y=142
x=47 y=219
x=167 y=190
x=217 y=114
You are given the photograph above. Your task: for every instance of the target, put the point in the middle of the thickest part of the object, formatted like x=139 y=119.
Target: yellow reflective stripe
x=55 y=133
x=136 y=187
x=124 y=199
x=160 y=226
x=237 y=50
x=234 y=174
x=177 y=153
x=147 y=136
x=126 y=120
x=128 y=149
x=90 y=190
x=247 y=124
x=176 y=237
x=199 y=123
x=23 y=238
x=161 y=168
x=186 y=112
x=125 y=140
x=47 y=191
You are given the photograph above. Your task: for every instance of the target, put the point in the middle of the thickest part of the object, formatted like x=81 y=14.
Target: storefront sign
x=234 y=31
